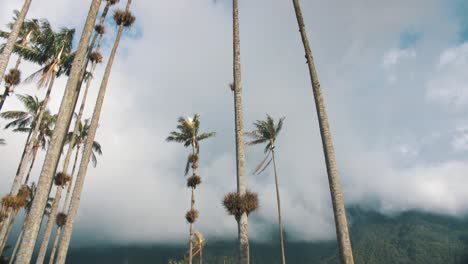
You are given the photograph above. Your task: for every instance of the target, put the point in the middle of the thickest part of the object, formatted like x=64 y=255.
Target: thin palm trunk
x=67 y=197
x=4 y=96
x=53 y=212
x=55 y=147
x=283 y=257
x=6 y=93
x=80 y=178
x=20 y=237
x=25 y=161
x=244 y=256
x=54 y=247
x=344 y=243
x=5 y=56
x=192 y=207
x=24 y=151
x=8 y=230
x=201 y=254
x=36 y=149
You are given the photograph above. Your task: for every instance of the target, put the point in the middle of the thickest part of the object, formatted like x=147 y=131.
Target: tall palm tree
x=188 y=134
x=27 y=208
x=29 y=32
x=45 y=133
x=62 y=179
x=55 y=147
x=344 y=243
x=20 y=120
x=266 y=132
x=123 y=19
x=8 y=49
x=242 y=221
x=95 y=57
x=23 y=119
x=44 y=137
x=53 y=52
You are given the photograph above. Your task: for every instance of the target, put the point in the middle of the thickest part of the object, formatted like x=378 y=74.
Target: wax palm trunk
x=278 y=202
x=344 y=243
x=192 y=205
x=80 y=178
x=56 y=143
x=244 y=256
x=5 y=56
x=53 y=210
x=24 y=163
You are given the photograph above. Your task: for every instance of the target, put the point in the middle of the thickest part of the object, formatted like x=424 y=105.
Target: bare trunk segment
x=278 y=201
x=244 y=256
x=344 y=243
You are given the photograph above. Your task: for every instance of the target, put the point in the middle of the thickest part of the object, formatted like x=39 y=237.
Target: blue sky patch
x=409 y=38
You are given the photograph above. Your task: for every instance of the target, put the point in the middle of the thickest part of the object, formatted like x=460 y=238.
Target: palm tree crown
x=82 y=136
x=266 y=131
x=23 y=119
x=188 y=132
x=52 y=50
x=29 y=31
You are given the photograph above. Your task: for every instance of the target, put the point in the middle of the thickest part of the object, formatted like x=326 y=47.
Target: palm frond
x=205 y=135
x=187 y=165
x=97 y=147
x=261 y=163
x=266 y=166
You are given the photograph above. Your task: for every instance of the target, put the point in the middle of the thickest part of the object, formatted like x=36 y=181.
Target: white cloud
x=460 y=139
x=449 y=84
x=395 y=56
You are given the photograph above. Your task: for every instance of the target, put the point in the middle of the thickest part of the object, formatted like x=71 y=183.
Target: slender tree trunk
x=56 y=143
x=5 y=56
x=36 y=148
x=54 y=247
x=53 y=212
x=27 y=157
x=10 y=227
x=283 y=257
x=67 y=197
x=201 y=254
x=49 y=226
x=24 y=151
x=192 y=207
x=80 y=178
x=344 y=243
x=20 y=237
x=244 y=256
x=4 y=96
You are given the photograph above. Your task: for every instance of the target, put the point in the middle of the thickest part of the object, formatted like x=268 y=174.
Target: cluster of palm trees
x=36 y=41
x=242 y=202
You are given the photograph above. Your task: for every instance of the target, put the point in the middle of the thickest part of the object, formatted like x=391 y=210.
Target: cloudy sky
x=395 y=82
